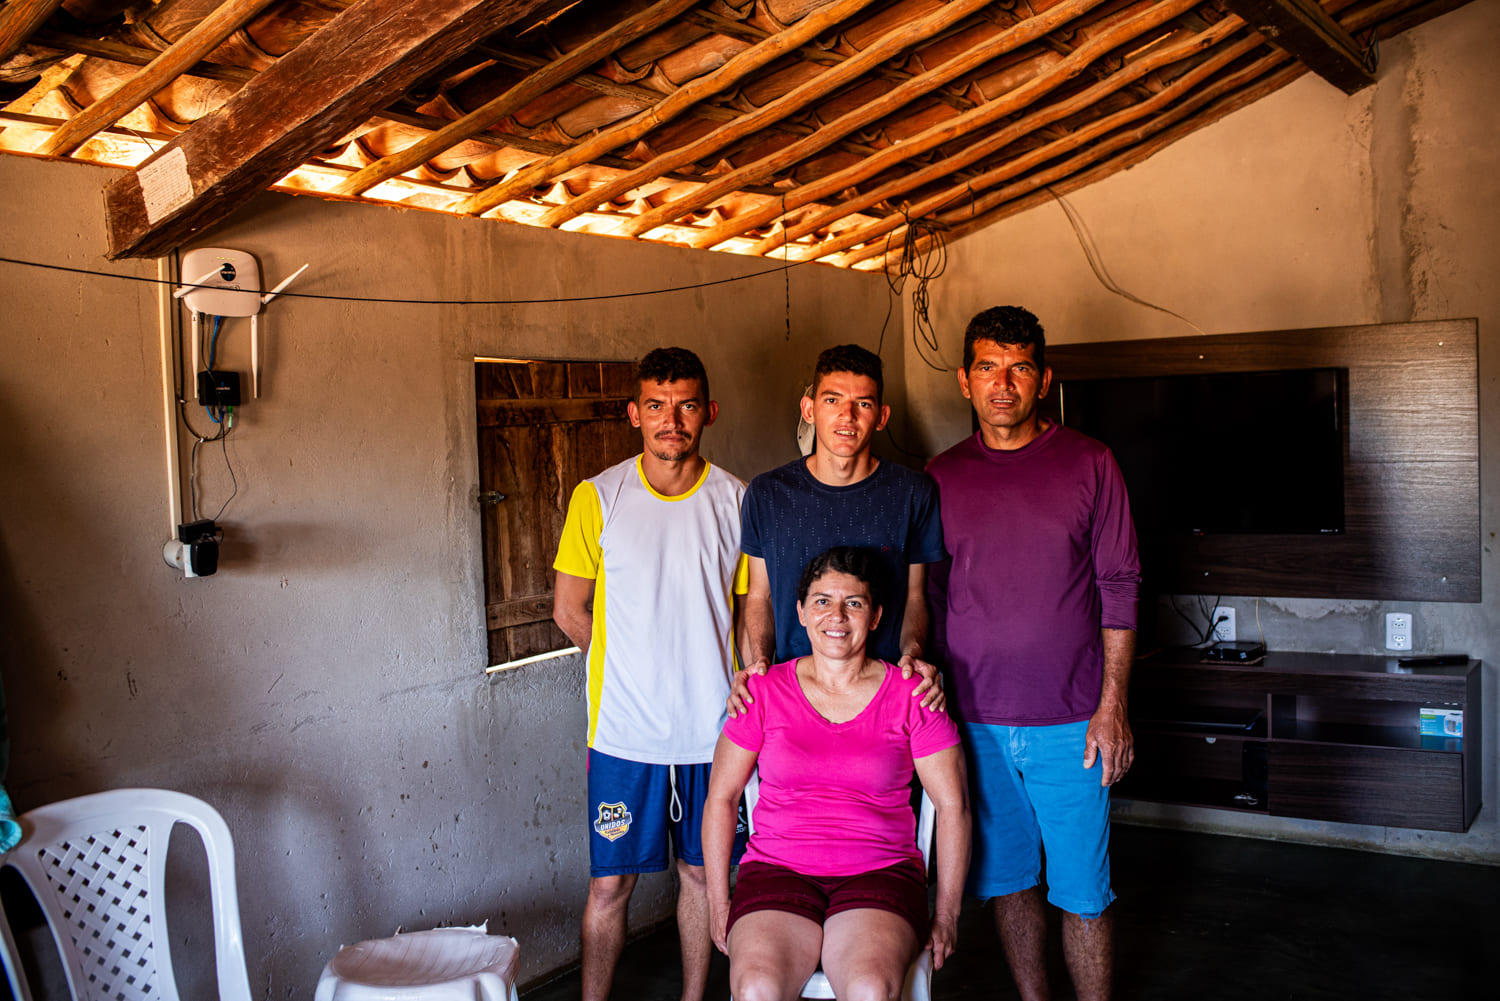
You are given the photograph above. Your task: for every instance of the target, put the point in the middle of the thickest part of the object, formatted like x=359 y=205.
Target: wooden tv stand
x=1318 y=736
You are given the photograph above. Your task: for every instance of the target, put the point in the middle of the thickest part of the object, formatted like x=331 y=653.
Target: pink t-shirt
x=835 y=797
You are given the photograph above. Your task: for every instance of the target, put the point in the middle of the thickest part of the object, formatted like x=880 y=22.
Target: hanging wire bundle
x=923 y=257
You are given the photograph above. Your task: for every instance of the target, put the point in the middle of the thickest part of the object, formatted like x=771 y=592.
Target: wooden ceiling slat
x=1184 y=86
x=115 y=132
x=750 y=33
x=207 y=35
x=1098 y=45
x=554 y=74
x=670 y=107
x=1312 y=37
x=1050 y=113
x=1011 y=38
x=19 y=19
x=893 y=43
x=134 y=55
x=710 y=110
x=355 y=64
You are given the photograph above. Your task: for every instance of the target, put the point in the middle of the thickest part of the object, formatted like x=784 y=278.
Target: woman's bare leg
x=771 y=955
x=866 y=953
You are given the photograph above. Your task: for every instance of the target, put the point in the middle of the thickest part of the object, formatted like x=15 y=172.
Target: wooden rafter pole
x=734 y=70
x=886 y=47
x=955 y=128
x=737 y=180
x=177 y=59
x=18 y=19
x=357 y=63
x=1100 y=160
x=1010 y=133
x=555 y=73
x=1083 y=136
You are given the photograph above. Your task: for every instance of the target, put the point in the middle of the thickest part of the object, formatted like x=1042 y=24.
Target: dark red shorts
x=900 y=889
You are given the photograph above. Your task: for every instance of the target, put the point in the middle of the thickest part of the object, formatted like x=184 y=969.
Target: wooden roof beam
x=1312 y=37
x=355 y=64
x=736 y=69
x=887 y=47
x=19 y=19
x=951 y=165
x=736 y=180
x=181 y=56
x=554 y=74
x=956 y=128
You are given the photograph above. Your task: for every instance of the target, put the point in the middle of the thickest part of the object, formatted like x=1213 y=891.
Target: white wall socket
x=1398 y=628
x=1224 y=631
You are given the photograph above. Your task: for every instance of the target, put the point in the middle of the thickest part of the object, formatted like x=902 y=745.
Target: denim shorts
x=1030 y=793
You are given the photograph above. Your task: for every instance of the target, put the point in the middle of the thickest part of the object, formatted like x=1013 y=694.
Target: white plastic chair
x=97 y=867
x=918 y=985
x=444 y=964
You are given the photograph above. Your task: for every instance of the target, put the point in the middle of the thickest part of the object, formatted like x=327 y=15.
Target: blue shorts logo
x=614 y=821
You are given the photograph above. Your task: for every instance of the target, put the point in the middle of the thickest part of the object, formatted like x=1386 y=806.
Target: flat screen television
x=1232 y=452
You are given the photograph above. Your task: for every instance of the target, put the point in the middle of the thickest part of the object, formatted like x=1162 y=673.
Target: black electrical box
x=219 y=389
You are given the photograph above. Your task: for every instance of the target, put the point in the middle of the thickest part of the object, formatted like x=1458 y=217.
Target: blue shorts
x=1030 y=792
x=635 y=808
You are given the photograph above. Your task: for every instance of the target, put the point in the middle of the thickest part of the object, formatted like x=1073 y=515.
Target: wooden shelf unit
x=1317 y=736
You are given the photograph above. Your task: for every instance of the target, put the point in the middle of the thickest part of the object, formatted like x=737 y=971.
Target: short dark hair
x=851 y=358
x=1006 y=325
x=670 y=365
x=861 y=564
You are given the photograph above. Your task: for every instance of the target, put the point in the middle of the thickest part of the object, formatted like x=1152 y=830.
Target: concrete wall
x=1308 y=209
x=326 y=690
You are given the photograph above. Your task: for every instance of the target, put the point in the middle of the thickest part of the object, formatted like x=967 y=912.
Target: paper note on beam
x=165 y=185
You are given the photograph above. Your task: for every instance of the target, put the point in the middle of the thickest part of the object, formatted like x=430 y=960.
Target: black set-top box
x=1235 y=651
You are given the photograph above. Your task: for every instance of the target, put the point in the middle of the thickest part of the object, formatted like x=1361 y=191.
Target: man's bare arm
x=572 y=608
x=757 y=635
x=914 y=626
x=1109 y=738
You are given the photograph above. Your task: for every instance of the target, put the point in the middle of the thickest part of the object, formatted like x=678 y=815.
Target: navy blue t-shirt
x=788 y=517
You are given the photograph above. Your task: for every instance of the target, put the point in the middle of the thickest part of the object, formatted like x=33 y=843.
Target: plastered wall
x=1310 y=208
x=325 y=690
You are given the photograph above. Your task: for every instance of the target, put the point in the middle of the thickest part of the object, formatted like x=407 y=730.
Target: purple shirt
x=1042 y=556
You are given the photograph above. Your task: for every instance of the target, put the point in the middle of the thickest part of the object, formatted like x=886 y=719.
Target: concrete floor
x=1205 y=916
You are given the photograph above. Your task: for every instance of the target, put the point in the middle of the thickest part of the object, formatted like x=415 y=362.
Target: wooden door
x=543 y=427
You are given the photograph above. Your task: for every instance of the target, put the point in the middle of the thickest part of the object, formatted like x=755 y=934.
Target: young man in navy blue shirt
x=840 y=495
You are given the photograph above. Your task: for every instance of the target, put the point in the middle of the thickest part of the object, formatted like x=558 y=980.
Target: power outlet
x=1398 y=629
x=1223 y=631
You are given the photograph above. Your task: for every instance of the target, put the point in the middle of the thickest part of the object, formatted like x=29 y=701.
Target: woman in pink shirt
x=832 y=872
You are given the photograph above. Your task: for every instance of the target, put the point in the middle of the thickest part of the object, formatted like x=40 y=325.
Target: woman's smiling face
x=839 y=613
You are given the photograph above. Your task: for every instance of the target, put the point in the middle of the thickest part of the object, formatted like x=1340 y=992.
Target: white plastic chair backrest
x=919 y=975
x=97 y=866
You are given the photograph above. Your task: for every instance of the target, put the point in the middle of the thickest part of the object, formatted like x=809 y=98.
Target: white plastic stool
x=446 y=964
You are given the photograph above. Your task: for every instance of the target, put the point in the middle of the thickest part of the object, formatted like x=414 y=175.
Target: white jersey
x=665 y=570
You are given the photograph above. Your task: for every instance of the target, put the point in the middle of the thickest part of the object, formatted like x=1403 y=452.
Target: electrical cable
x=1097 y=264
x=785 y=266
x=924 y=265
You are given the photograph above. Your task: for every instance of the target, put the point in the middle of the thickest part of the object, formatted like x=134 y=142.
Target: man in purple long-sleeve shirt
x=1035 y=618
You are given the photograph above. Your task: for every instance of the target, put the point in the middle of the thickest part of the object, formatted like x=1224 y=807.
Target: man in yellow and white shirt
x=647 y=569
